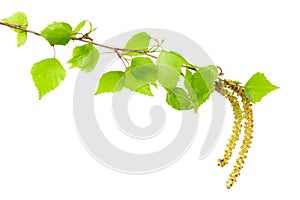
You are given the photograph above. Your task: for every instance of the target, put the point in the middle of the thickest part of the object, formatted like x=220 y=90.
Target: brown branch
x=115 y=48
x=82 y=39
x=19 y=28
x=90 y=41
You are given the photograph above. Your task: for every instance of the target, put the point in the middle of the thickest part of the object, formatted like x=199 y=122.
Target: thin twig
x=115 y=48
x=20 y=28
x=86 y=40
x=120 y=56
x=107 y=52
x=90 y=41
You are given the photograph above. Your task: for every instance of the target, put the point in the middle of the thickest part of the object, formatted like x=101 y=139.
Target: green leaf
x=47 y=75
x=200 y=88
x=168 y=77
x=112 y=81
x=169 y=68
x=22 y=37
x=143 y=69
x=170 y=59
x=179 y=99
x=188 y=78
x=79 y=26
x=209 y=74
x=18 y=18
x=85 y=57
x=140 y=61
x=139 y=41
x=145 y=89
x=137 y=85
x=258 y=86
x=201 y=84
x=183 y=60
x=58 y=33
x=188 y=85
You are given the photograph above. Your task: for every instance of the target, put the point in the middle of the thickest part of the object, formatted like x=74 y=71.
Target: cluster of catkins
x=235 y=94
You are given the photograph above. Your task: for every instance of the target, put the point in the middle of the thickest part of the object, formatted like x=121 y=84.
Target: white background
x=41 y=156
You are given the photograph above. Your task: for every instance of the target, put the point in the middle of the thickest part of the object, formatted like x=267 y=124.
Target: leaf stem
x=221 y=71
x=120 y=57
x=191 y=68
x=54 y=52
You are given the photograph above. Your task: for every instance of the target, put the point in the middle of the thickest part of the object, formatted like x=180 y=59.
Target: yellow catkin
x=237 y=127
x=248 y=130
x=236 y=94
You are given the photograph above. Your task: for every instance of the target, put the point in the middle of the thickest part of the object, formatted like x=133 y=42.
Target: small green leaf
x=58 y=33
x=144 y=69
x=79 y=26
x=137 y=85
x=179 y=99
x=139 y=41
x=92 y=30
x=47 y=75
x=22 y=37
x=85 y=57
x=258 y=86
x=112 y=81
x=18 y=18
